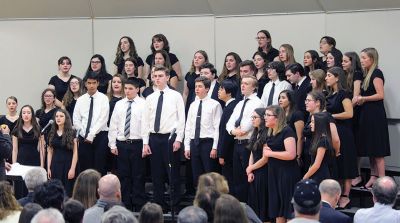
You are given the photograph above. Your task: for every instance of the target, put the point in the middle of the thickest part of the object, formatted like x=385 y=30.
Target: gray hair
x=192 y=214
x=330 y=187
x=48 y=215
x=118 y=214
x=35 y=177
x=385 y=190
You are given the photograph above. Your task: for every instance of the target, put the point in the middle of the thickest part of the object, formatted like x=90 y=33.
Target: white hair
x=51 y=215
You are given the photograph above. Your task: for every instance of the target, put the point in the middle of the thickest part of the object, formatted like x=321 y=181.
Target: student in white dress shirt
x=90 y=119
x=240 y=126
x=165 y=114
x=202 y=130
x=276 y=71
x=125 y=141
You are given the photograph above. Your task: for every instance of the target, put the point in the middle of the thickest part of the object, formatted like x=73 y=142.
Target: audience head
x=151 y=213
x=49 y=215
x=306 y=198
x=85 y=188
x=231 y=66
x=260 y=60
x=264 y=40
x=248 y=85
x=326 y=44
x=192 y=214
x=275 y=119
x=229 y=210
x=208 y=70
x=50 y=194
x=286 y=54
x=206 y=199
x=199 y=58
x=330 y=191
x=227 y=90
x=35 y=177
x=8 y=203
x=118 y=214
x=73 y=211
x=294 y=73
x=317 y=79
x=109 y=188
x=159 y=42
x=384 y=191
x=247 y=67
x=276 y=70
x=27 y=213
x=334 y=58
x=315 y=102
x=214 y=180
x=64 y=64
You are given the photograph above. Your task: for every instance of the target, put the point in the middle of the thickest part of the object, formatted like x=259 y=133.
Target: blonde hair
x=319 y=76
x=280 y=116
x=289 y=53
x=373 y=54
x=214 y=180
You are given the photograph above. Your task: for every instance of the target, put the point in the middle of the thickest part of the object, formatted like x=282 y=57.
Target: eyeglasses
x=74 y=83
x=269 y=115
x=49 y=96
x=261 y=38
x=95 y=62
x=254 y=117
x=308 y=100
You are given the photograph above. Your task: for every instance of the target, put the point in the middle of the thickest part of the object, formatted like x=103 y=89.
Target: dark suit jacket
x=301 y=95
x=329 y=215
x=25 y=200
x=5 y=153
x=226 y=141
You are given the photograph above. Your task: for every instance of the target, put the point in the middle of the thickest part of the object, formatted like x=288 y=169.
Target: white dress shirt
x=209 y=124
x=117 y=121
x=279 y=87
x=245 y=123
x=101 y=109
x=379 y=213
x=212 y=86
x=172 y=114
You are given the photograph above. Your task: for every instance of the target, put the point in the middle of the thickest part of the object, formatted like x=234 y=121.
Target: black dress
x=70 y=108
x=61 y=163
x=44 y=118
x=282 y=177
x=104 y=80
x=28 y=153
x=347 y=161
x=60 y=86
x=5 y=121
x=295 y=117
x=121 y=65
x=113 y=101
x=258 y=189
x=190 y=82
x=261 y=84
x=358 y=76
x=324 y=170
x=373 y=135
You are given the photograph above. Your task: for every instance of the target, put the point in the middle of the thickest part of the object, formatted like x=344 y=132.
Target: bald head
x=330 y=188
x=385 y=190
x=109 y=187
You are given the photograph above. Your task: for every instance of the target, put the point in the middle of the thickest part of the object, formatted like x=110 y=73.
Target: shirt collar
x=301 y=81
x=229 y=101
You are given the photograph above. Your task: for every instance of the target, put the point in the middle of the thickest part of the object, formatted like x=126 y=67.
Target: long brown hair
x=85 y=188
x=69 y=95
x=119 y=55
x=8 y=203
x=68 y=132
x=225 y=71
x=280 y=116
x=20 y=123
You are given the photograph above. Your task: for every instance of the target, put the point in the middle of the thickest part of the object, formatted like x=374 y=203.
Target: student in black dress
x=286 y=54
x=354 y=76
x=326 y=44
x=283 y=171
x=98 y=66
x=199 y=58
x=75 y=90
x=317 y=80
x=257 y=171
x=62 y=153
x=161 y=57
x=261 y=61
x=264 y=41
x=338 y=103
x=160 y=42
x=60 y=82
x=129 y=73
x=372 y=135
x=126 y=49
x=116 y=92
x=208 y=70
x=334 y=59
x=226 y=93
x=10 y=119
x=230 y=69
x=311 y=61
x=26 y=139
x=294 y=117
x=321 y=150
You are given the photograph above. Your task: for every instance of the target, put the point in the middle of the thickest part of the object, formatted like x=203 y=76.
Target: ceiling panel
x=351 y=5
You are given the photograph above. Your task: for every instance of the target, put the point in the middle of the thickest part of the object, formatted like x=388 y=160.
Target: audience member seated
x=50 y=194
x=73 y=211
x=151 y=213
x=118 y=214
x=206 y=199
x=306 y=202
x=9 y=207
x=110 y=195
x=27 y=213
x=33 y=178
x=85 y=188
x=384 y=192
x=50 y=215
x=229 y=209
x=330 y=193
x=192 y=214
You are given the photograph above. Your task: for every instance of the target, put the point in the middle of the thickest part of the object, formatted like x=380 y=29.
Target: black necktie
x=127 y=129
x=158 y=112
x=237 y=123
x=90 y=117
x=198 y=120
x=297 y=87
x=271 y=95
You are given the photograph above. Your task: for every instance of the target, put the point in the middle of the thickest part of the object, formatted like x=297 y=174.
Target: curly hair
x=68 y=132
